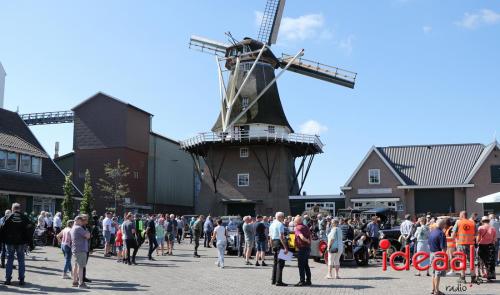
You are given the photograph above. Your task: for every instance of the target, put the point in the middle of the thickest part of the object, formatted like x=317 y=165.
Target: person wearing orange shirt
x=464 y=232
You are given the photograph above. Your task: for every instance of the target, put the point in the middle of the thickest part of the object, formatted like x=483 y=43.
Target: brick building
x=426 y=178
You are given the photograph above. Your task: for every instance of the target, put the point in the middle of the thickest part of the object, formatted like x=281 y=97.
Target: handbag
x=333 y=248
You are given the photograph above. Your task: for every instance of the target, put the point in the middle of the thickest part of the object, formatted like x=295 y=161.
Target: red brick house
x=426 y=178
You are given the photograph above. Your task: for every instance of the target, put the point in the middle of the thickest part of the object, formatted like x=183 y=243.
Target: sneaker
x=66 y=276
x=257 y=263
x=248 y=263
x=7 y=283
x=281 y=284
x=450 y=273
x=83 y=286
x=75 y=284
x=85 y=280
x=300 y=284
x=308 y=283
x=21 y=282
x=263 y=263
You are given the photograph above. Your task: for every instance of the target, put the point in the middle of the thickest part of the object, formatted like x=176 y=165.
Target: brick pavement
x=183 y=274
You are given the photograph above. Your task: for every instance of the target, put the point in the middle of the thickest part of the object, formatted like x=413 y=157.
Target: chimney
x=56 y=154
x=2 y=84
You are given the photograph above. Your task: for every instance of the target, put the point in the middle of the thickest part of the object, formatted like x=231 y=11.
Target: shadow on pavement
x=354 y=287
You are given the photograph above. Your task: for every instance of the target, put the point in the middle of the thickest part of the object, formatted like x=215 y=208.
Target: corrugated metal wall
x=170 y=173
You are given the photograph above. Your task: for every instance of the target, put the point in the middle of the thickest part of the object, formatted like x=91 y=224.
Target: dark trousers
x=278 y=264
x=4 y=253
x=131 y=244
x=303 y=262
x=487 y=255
x=207 y=237
x=153 y=244
x=196 y=243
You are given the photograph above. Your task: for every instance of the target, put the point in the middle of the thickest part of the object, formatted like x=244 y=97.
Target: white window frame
x=244 y=152
x=26 y=158
x=39 y=172
x=7 y=162
x=328 y=206
x=369 y=176
x=242 y=175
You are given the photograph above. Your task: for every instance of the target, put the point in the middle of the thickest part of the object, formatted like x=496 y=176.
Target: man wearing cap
x=486 y=239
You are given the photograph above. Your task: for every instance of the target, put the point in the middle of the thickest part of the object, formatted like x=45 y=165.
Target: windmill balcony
x=301 y=143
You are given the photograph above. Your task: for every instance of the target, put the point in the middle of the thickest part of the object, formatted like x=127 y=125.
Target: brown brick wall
x=482 y=182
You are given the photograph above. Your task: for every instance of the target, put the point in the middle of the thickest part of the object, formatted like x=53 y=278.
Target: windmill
x=249 y=156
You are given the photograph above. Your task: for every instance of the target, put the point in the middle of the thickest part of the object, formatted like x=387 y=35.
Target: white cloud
x=482 y=17
x=346 y=44
x=427 y=29
x=301 y=28
x=313 y=127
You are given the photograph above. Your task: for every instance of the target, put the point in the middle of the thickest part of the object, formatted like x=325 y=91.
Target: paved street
x=183 y=274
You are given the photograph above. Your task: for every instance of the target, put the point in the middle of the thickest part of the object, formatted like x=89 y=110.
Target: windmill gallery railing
x=247 y=136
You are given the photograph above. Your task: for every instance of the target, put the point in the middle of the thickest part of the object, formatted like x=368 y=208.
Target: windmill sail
x=207 y=45
x=271 y=20
x=320 y=71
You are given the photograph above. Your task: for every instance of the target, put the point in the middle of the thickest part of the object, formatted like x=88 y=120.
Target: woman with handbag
x=335 y=249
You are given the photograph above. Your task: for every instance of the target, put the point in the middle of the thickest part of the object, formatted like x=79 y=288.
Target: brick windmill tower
x=249 y=158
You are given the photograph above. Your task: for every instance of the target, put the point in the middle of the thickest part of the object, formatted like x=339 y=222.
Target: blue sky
x=428 y=71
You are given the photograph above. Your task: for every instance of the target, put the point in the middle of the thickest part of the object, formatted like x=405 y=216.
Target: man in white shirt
x=405 y=230
x=107 y=223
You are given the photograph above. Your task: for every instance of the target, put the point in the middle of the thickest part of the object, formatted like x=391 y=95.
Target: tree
x=87 y=204
x=67 y=204
x=113 y=185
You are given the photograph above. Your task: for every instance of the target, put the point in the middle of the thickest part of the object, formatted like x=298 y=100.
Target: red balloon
x=384 y=244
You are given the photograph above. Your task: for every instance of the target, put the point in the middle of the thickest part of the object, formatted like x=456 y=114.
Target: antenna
x=271 y=20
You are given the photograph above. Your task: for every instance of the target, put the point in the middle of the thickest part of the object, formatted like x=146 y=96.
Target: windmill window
x=271 y=129
x=243 y=179
x=374 y=176
x=244 y=102
x=244 y=152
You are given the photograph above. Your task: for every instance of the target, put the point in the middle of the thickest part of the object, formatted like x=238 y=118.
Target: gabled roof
x=375 y=150
x=433 y=166
x=484 y=155
x=16 y=144
x=15 y=131
x=112 y=98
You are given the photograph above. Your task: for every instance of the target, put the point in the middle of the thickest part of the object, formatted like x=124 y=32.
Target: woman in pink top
x=64 y=238
x=486 y=238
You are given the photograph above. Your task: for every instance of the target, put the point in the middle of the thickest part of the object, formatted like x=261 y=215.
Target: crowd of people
x=435 y=234
x=260 y=235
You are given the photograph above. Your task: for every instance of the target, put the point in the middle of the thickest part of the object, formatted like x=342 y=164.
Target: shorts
x=261 y=246
x=334 y=258
x=440 y=263
x=119 y=248
x=107 y=236
x=464 y=249
x=169 y=237
x=113 y=238
x=80 y=259
x=160 y=240
x=249 y=243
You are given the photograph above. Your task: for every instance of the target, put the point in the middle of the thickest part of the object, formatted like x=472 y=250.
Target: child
x=119 y=245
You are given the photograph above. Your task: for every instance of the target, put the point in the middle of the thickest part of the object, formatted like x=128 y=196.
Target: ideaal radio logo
x=440 y=262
